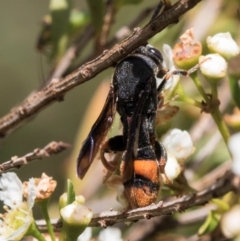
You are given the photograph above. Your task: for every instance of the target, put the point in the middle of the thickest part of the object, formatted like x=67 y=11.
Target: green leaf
x=210 y=223
x=235 y=89
x=70 y=192
x=222 y=206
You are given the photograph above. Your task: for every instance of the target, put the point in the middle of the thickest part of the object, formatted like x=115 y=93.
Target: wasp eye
x=156 y=52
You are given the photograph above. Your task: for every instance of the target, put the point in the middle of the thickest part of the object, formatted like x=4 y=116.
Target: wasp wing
x=133 y=132
x=97 y=135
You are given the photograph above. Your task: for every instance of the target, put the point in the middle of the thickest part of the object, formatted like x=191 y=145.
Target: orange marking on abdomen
x=140 y=197
x=148 y=169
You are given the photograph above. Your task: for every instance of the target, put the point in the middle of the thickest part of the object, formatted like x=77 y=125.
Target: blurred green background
x=23 y=69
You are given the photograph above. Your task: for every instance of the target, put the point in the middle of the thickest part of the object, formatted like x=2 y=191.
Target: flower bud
x=62 y=201
x=187 y=51
x=223 y=44
x=213 y=67
x=76 y=214
x=45 y=186
x=233 y=145
x=172 y=169
x=179 y=144
x=230 y=224
x=76 y=218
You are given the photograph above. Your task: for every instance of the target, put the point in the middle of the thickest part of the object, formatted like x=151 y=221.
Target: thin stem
x=33 y=231
x=216 y=114
x=190 y=101
x=221 y=124
x=199 y=85
x=214 y=106
x=179 y=91
x=62 y=236
x=43 y=205
x=214 y=91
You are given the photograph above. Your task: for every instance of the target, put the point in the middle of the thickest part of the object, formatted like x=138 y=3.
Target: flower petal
x=172 y=169
x=213 y=66
x=223 y=44
x=11 y=189
x=32 y=192
x=179 y=144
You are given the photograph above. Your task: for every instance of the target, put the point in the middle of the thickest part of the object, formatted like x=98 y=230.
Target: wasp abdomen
x=142 y=189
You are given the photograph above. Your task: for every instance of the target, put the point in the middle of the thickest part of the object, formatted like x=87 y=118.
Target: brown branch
x=228 y=182
x=123 y=32
x=82 y=40
x=72 y=53
x=51 y=149
x=148 y=229
x=56 y=90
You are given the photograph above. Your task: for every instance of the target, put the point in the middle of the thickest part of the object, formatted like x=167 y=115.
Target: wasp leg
x=114 y=144
x=166 y=75
x=161 y=155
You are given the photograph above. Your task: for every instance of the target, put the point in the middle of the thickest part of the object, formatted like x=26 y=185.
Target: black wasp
x=135 y=96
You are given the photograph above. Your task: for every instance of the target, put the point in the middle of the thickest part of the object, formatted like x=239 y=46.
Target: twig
x=72 y=53
x=74 y=50
x=123 y=32
x=83 y=40
x=55 y=91
x=107 y=24
x=209 y=178
x=147 y=229
x=228 y=182
x=51 y=149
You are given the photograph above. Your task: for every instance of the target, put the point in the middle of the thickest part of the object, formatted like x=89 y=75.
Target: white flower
x=11 y=189
x=230 y=224
x=223 y=44
x=213 y=66
x=110 y=234
x=76 y=214
x=16 y=221
x=86 y=235
x=172 y=169
x=76 y=218
x=179 y=144
x=233 y=145
x=169 y=65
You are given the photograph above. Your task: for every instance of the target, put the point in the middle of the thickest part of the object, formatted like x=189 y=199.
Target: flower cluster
x=213 y=66
x=18 y=218
x=179 y=147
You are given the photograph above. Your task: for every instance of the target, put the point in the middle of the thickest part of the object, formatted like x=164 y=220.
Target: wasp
x=134 y=94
